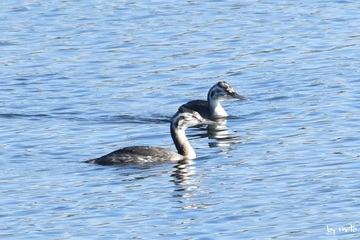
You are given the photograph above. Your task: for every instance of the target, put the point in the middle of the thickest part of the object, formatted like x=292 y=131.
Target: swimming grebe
x=212 y=108
x=183 y=119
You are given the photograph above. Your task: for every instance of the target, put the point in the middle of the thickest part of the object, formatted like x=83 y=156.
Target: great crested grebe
x=212 y=108
x=183 y=119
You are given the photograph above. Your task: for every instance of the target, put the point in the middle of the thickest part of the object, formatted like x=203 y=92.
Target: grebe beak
x=238 y=96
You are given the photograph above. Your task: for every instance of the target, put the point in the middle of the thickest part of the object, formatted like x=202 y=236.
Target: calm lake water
x=82 y=78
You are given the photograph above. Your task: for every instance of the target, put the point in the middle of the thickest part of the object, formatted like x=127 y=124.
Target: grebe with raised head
x=183 y=119
x=212 y=108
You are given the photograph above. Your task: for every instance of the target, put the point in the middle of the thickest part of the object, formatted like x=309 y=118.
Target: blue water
x=82 y=78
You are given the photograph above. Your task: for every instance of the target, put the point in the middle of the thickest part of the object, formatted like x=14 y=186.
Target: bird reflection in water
x=184 y=169
x=182 y=177
x=220 y=133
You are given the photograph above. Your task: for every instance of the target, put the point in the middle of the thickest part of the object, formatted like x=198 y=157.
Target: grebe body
x=212 y=108
x=183 y=119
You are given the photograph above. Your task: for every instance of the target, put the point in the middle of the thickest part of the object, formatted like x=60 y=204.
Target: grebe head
x=186 y=118
x=223 y=91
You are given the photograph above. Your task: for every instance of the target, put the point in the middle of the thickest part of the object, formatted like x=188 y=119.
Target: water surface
x=81 y=79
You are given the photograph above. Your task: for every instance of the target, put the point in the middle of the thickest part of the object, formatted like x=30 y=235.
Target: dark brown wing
x=200 y=106
x=137 y=154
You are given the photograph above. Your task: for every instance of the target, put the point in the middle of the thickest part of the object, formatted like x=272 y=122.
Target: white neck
x=182 y=143
x=216 y=110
